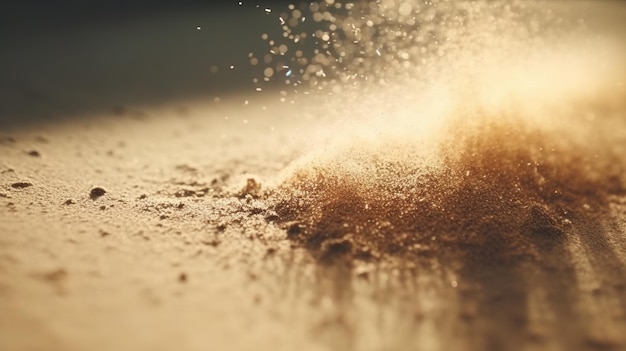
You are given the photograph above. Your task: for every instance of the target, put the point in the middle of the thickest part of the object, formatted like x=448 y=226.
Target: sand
x=146 y=233
x=256 y=224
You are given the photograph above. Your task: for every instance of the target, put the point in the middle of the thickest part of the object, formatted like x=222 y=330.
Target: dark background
x=72 y=58
x=30 y=16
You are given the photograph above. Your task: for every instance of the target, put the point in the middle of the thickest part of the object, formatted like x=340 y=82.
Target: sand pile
x=465 y=130
x=494 y=192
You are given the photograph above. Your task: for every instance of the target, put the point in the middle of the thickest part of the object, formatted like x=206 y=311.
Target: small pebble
x=21 y=185
x=96 y=193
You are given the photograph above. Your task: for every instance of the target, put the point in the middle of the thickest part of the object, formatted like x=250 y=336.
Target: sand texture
x=477 y=203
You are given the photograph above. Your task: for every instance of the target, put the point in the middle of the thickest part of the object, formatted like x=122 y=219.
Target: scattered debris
x=212 y=242
x=96 y=193
x=185 y=193
x=21 y=185
x=333 y=249
x=252 y=188
x=294 y=229
x=272 y=217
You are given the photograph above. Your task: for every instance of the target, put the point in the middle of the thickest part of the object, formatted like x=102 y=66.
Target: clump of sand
x=494 y=191
x=463 y=129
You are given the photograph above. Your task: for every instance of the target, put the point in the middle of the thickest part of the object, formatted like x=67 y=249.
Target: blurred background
x=69 y=58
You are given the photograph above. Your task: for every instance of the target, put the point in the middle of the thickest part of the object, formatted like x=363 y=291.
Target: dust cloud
x=481 y=132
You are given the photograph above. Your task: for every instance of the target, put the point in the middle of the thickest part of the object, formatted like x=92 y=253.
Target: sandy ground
x=148 y=265
x=145 y=258
x=137 y=227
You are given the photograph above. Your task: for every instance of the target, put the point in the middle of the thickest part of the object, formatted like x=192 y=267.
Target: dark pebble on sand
x=294 y=229
x=96 y=193
x=21 y=185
